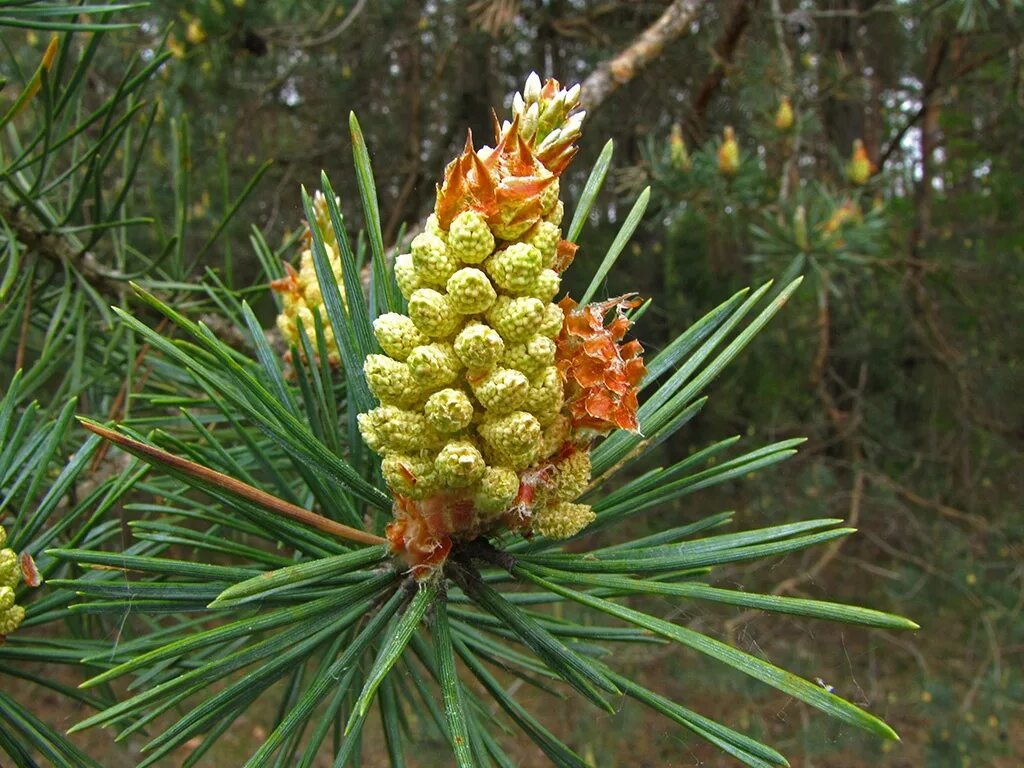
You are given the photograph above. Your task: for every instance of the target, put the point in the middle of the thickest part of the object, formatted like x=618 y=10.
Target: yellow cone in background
x=860 y=168
x=678 y=154
x=729 y=153
x=784 y=117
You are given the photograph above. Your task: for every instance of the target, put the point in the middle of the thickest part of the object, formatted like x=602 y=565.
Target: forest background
x=899 y=357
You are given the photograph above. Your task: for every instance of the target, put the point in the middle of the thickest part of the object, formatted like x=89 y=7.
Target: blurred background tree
x=900 y=356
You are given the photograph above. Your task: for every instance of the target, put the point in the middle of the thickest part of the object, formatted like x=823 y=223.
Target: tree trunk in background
x=725 y=49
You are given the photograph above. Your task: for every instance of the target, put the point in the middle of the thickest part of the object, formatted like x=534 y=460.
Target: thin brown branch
x=19 y=357
x=612 y=74
x=39 y=240
x=724 y=51
x=233 y=487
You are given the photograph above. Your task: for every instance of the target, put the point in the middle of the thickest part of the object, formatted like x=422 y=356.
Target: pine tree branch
x=612 y=74
x=41 y=240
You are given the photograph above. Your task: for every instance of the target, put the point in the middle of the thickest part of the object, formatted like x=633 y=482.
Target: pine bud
x=678 y=154
x=433 y=227
x=502 y=390
x=498 y=488
x=459 y=464
x=557 y=212
x=545 y=285
x=391 y=381
x=397 y=430
x=544 y=237
x=562 y=520
x=531 y=356
x=469 y=238
x=434 y=264
x=571 y=476
x=433 y=313
x=517 y=319
x=410 y=476
x=729 y=153
x=551 y=321
x=860 y=168
x=434 y=365
x=11 y=619
x=10 y=571
x=406 y=276
x=515 y=268
x=546 y=394
x=397 y=335
x=479 y=346
x=470 y=291
x=514 y=437
x=549 y=202
x=784 y=115
x=556 y=435
x=449 y=410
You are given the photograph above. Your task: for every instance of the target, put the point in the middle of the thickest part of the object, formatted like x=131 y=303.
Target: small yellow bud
x=729 y=153
x=11 y=619
x=433 y=227
x=531 y=356
x=784 y=115
x=544 y=237
x=469 y=238
x=397 y=335
x=10 y=571
x=556 y=434
x=571 y=476
x=470 y=291
x=514 y=438
x=557 y=214
x=391 y=381
x=3 y=537
x=516 y=267
x=545 y=285
x=549 y=197
x=194 y=32
x=393 y=429
x=433 y=313
x=434 y=365
x=502 y=390
x=860 y=168
x=498 y=488
x=6 y=598
x=459 y=464
x=517 y=319
x=410 y=476
x=434 y=264
x=546 y=393
x=406 y=276
x=562 y=520
x=479 y=346
x=551 y=321
x=677 y=152
x=449 y=410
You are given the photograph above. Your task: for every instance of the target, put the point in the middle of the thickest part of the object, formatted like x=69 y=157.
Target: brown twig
x=234 y=487
x=19 y=357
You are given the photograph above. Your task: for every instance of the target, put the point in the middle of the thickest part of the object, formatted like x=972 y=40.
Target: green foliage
x=296 y=610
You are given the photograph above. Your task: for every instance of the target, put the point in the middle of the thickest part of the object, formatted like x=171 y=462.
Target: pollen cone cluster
x=301 y=298
x=473 y=426
x=11 y=615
